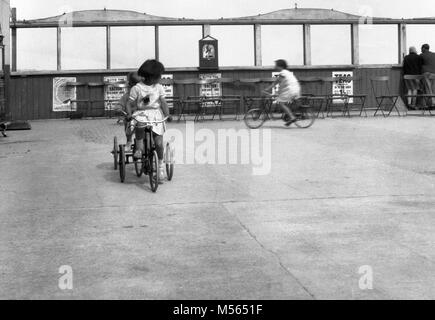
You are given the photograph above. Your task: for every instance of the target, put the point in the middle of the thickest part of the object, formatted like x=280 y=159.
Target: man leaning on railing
x=428 y=70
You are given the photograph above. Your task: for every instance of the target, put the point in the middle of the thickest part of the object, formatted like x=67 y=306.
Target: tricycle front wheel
x=169 y=161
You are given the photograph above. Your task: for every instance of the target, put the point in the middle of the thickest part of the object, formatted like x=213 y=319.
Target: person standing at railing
x=428 y=70
x=412 y=67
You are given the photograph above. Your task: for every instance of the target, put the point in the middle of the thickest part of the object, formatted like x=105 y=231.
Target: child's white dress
x=152 y=110
x=289 y=87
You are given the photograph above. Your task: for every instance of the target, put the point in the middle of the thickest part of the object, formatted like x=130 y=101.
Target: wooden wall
x=31 y=95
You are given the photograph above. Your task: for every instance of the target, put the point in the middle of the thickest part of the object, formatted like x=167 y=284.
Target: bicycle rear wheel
x=305 y=118
x=255 y=118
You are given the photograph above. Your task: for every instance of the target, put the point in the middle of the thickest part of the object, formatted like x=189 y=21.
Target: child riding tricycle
x=146 y=115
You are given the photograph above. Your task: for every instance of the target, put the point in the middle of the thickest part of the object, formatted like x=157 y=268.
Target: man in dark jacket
x=412 y=67
x=428 y=69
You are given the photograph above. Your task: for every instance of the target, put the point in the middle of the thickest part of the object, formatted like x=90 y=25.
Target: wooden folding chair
x=358 y=100
x=77 y=102
x=113 y=105
x=313 y=89
x=254 y=96
x=346 y=101
x=96 y=89
x=413 y=83
x=208 y=101
x=429 y=95
x=175 y=101
x=226 y=101
x=386 y=102
x=190 y=102
x=334 y=100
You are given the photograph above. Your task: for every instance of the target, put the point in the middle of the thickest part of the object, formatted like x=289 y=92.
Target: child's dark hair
x=133 y=79
x=151 y=71
x=281 y=63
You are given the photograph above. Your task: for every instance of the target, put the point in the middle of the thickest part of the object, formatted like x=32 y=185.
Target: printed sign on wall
x=169 y=89
x=212 y=89
x=112 y=94
x=64 y=94
x=342 y=86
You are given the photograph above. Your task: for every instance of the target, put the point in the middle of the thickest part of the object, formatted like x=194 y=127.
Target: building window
x=331 y=45
x=378 y=44
x=131 y=46
x=36 y=49
x=236 y=45
x=84 y=48
x=178 y=45
x=282 y=42
x=416 y=36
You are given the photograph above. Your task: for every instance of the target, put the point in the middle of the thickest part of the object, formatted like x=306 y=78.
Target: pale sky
x=85 y=49
x=28 y=9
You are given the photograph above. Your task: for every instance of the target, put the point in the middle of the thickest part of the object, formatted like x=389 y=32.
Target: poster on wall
x=63 y=94
x=169 y=88
x=342 y=86
x=113 y=94
x=212 y=89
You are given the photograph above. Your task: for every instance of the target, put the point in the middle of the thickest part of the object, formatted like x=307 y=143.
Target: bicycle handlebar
x=155 y=122
x=147 y=122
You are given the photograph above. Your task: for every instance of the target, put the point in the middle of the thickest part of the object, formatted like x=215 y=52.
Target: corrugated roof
x=87 y=16
x=304 y=14
x=119 y=16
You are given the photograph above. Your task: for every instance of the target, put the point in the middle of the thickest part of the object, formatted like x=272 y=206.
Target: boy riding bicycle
x=133 y=79
x=289 y=89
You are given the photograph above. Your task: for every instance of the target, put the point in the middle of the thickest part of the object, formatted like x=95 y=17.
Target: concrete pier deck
x=344 y=194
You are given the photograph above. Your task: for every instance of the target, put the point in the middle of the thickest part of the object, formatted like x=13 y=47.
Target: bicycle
x=149 y=163
x=305 y=118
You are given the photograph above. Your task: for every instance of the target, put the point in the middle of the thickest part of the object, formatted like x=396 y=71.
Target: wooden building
x=31 y=92
x=4 y=54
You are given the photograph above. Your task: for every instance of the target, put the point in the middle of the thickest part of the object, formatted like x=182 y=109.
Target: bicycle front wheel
x=305 y=118
x=255 y=118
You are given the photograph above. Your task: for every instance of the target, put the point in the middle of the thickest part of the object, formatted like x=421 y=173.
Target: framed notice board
x=208 y=53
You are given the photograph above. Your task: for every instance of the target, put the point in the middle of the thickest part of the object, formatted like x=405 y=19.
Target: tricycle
x=149 y=163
